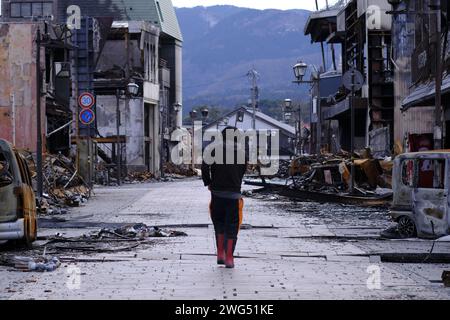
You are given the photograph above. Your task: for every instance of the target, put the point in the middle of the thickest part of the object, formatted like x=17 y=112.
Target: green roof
x=159 y=12
x=167 y=18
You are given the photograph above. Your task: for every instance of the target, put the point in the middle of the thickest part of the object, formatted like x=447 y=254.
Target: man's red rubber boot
x=229 y=259
x=220 y=240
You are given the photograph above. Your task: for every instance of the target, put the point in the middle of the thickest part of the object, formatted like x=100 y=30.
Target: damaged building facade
x=142 y=45
x=115 y=44
x=20 y=24
x=130 y=56
x=362 y=29
x=414 y=54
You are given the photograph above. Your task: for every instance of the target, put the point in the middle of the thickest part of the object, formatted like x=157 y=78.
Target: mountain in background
x=222 y=43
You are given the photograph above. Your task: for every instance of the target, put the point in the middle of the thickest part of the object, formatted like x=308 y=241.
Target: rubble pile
x=331 y=173
x=139 y=177
x=142 y=231
x=63 y=186
x=327 y=178
x=183 y=170
x=110 y=240
x=63 y=183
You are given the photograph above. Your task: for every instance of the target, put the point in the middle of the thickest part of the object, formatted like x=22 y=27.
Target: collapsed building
x=362 y=29
x=141 y=45
x=112 y=45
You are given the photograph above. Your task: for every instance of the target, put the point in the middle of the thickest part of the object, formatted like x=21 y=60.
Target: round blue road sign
x=87 y=116
x=86 y=100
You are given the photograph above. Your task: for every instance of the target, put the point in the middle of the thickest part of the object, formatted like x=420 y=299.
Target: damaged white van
x=421 y=183
x=17 y=200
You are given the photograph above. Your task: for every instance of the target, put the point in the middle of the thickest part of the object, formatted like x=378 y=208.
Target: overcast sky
x=257 y=4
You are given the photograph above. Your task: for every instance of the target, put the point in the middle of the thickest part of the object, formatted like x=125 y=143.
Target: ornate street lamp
x=132 y=89
x=193 y=115
x=287 y=103
x=177 y=107
x=205 y=113
x=300 y=70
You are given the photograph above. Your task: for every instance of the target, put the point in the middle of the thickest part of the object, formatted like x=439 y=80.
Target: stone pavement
x=288 y=250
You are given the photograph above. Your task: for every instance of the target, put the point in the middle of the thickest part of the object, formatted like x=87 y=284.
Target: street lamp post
x=287 y=114
x=299 y=72
x=287 y=110
x=205 y=114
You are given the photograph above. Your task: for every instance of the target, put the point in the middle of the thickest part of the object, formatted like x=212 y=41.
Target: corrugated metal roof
x=167 y=18
x=424 y=94
x=259 y=115
x=158 y=12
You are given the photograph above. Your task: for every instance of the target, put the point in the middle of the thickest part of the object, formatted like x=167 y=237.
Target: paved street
x=286 y=250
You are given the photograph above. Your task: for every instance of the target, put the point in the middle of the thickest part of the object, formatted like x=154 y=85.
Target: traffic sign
x=87 y=116
x=353 y=80
x=86 y=100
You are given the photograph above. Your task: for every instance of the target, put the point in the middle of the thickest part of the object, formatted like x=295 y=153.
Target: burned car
x=421 y=183
x=17 y=200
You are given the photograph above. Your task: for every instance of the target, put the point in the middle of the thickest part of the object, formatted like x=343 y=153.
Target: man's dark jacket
x=224 y=177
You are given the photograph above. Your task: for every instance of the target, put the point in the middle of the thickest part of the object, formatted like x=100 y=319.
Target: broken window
x=408 y=173
x=431 y=174
x=5 y=172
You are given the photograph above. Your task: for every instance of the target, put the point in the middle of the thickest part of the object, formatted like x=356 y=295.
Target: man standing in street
x=224 y=180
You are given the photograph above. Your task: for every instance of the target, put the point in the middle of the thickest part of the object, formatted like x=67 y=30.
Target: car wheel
x=29 y=235
x=407 y=227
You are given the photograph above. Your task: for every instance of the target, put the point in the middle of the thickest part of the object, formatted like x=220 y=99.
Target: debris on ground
x=37 y=264
x=110 y=240
x=63 y=186
x=178 y=171
x=142 y=231
x=330 y=174
x=139 y=177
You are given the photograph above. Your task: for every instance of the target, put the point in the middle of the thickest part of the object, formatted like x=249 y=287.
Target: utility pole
x=254 y=76
x=38 y=117
x=319 y=116
x=352 y=126
x=438 y=130
x=119 y=146
x=333 y=53
x=300 y=129
x=321 y=43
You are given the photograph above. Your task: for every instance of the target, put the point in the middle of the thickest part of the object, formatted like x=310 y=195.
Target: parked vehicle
x=17 y=199
x=421 y=183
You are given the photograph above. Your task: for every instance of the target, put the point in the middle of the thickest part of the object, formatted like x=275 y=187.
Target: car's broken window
x=431 y=174
x=408 y=173
x=5 y=172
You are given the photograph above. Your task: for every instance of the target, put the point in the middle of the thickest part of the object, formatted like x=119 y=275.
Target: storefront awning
x=335 y=111
x=423 y=95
